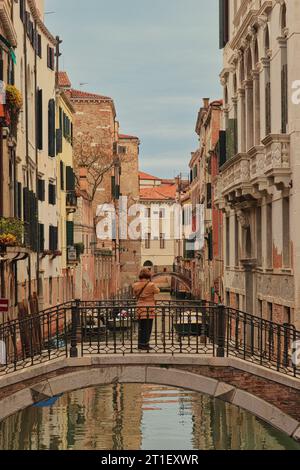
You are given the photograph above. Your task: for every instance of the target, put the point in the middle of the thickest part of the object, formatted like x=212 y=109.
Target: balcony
x=235 y=177
x=71 y=202
x=277 y=168
x=6 y=21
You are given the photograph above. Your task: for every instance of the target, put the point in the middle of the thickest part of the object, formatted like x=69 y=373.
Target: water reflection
x=131 y=417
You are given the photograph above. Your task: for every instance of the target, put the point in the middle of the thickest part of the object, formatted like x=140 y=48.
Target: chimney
x=83 y=181
x=206 y=103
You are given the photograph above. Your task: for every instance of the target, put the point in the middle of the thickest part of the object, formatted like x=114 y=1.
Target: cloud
x=156 y=59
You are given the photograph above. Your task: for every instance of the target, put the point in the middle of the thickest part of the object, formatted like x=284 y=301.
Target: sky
x=157 y=59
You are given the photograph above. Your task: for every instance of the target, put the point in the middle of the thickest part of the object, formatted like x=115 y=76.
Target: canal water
x=133 y=417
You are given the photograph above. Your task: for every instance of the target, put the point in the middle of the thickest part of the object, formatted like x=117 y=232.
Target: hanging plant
x=14 y=104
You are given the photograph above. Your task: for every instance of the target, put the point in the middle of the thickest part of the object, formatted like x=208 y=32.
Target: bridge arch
x=180 y=278
x=211 y=378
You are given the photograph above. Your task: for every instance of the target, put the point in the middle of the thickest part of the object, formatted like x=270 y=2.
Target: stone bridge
x=269 y=395
x=175 y=272
x=195 y=345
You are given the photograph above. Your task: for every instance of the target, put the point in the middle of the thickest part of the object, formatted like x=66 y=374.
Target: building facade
x=258 y=186
x=206 y=261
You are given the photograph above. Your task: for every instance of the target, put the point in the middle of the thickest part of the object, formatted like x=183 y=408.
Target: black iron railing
x=77 y=329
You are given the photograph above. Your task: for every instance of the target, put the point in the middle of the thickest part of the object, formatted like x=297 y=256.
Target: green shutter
x=70 y=179
x=51 y=129
x=70 y=234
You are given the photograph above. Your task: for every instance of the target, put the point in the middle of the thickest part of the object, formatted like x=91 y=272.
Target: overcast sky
x=156 y=58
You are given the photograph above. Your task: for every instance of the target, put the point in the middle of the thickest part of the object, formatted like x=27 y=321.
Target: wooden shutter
x=70 y=234
x=268 y=109
x=52 y=194
x=19 y=201
x=284 y=99
x=223 y=23
x=59 y=141
x=70 y=183
x=210 y=246
x=62 y=176
x=41 y=190
x=113 y=187
x=39 y=123
x=41 y=243
x=51 y=128
x=22 y=10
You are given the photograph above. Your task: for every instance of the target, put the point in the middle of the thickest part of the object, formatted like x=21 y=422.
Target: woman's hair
x=145 y=274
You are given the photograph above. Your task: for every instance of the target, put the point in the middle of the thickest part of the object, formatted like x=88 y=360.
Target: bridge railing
x=119 y=326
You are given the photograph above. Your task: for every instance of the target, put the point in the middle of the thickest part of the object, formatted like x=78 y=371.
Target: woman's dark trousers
x=145 y=331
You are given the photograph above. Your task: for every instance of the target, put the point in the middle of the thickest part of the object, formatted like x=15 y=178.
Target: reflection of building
x=258 y=188
x=129 y=417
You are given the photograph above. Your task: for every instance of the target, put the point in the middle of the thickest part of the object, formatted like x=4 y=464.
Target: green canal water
x=132 y=417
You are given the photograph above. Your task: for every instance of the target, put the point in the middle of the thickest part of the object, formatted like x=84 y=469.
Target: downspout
x=36 y=170
x=27 y=142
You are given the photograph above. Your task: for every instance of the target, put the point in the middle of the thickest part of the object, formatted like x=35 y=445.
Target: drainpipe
x=27 y=140
x=36 y=170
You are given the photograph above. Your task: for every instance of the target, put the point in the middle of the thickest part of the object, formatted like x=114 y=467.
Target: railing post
x=221 y=330
x=74 y=329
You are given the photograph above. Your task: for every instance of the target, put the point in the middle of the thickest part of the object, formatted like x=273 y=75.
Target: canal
x=133 y=417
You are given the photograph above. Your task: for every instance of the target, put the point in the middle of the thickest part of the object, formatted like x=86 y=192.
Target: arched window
x=148 y=264
x=267 y=40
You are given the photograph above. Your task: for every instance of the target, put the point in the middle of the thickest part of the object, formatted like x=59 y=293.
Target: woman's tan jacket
x=146 y=299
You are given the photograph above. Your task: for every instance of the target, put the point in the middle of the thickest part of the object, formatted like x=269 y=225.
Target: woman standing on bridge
x=145 y=291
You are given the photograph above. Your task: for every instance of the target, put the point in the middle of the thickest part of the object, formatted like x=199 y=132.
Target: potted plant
x=11 y=233
x=80 y=248
x=14 y=104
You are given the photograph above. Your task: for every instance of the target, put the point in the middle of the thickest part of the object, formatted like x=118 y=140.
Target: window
x=227 y=241
x=41 y=241
x=148 y=241
x=236 y=241
x=39 y=131
x=70 y=179
x=209 y=196
x=53 y=238
x=269 y=236
x=162 y=241
x=62 y=176
x=22 y=10
x=52 y=194
x=50 y=290
x=50 y=58
x=148 y=213
x=41 y=190
x=259 y=236
x=224 y=23
x=286 y=232
x=51 y=129
x=70 y=234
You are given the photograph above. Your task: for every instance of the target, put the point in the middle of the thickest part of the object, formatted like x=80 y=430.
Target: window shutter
x=70 y=186
x=59 y=143
x=52 y=194
x=224 y=22
x=209 y=196
x=19 y=201
x=40 y=119
x=41 y=190
x=1 y=69
x=51 y=128
x=70 y=234
x=113 y=187
x=268 y=108
x=62 y=176
x=39 y=45
x=284 y=99
x=210 y=246
x=41 y=243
